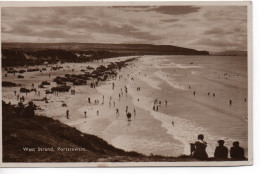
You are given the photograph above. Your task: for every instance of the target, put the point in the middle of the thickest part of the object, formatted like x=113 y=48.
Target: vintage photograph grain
x=125 y=83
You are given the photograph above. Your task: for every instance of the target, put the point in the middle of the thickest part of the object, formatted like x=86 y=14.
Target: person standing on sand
x=97 y=113
x=128 y=116
x=134 y=112
x=157 y=108
x=230 y=102
x=85 y=113
x=194 y=93
x=89 y=100
x=15 y=92
x=166 y=102
x=126 y=109
x=117 y=111
x=67 y=114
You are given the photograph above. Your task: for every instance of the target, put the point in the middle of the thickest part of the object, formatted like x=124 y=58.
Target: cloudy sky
x=211 y=28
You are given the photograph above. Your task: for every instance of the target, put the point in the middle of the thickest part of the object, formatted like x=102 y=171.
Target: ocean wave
x=151 y=82
x=171 y=82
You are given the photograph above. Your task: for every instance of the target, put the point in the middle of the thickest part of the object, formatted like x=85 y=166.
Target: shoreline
x=106 y=125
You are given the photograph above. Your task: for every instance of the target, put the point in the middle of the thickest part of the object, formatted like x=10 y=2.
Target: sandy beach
x=170 y=78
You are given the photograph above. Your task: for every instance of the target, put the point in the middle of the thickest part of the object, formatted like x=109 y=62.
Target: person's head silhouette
x=221 y=142
x=236 y=144
x=200 y=137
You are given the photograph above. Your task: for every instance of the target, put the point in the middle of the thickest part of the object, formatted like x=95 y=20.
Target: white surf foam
x=175 y=65
x=151 y=82
x=171 y=82
x=185 y=131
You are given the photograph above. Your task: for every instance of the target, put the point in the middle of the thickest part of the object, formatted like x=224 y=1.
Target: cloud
x=169 y=20
x=170 y=10
x=176 y=10
x=198 y=27
x=214 y=30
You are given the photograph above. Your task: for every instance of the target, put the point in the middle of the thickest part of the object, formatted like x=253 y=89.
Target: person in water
x=237 y=152
x=200 y=148
x=221 y=151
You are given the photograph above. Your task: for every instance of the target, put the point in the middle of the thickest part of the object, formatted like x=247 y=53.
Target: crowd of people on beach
x=198 y=150
x=111 y=102
x=157 y=104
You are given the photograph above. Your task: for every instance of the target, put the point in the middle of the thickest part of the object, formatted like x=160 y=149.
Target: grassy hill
x=14 y=54
x=42 y=133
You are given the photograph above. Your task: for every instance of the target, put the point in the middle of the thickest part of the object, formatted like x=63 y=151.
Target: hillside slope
x=49 y=137
x=19 y=54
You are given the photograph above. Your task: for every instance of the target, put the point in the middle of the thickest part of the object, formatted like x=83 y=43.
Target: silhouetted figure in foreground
x=200 y=148
x=221 y=151
x=236 y=152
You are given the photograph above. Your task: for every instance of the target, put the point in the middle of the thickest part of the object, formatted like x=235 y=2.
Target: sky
x=211 y=28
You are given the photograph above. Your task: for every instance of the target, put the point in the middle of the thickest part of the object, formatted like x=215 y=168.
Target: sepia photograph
x=107 y=84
